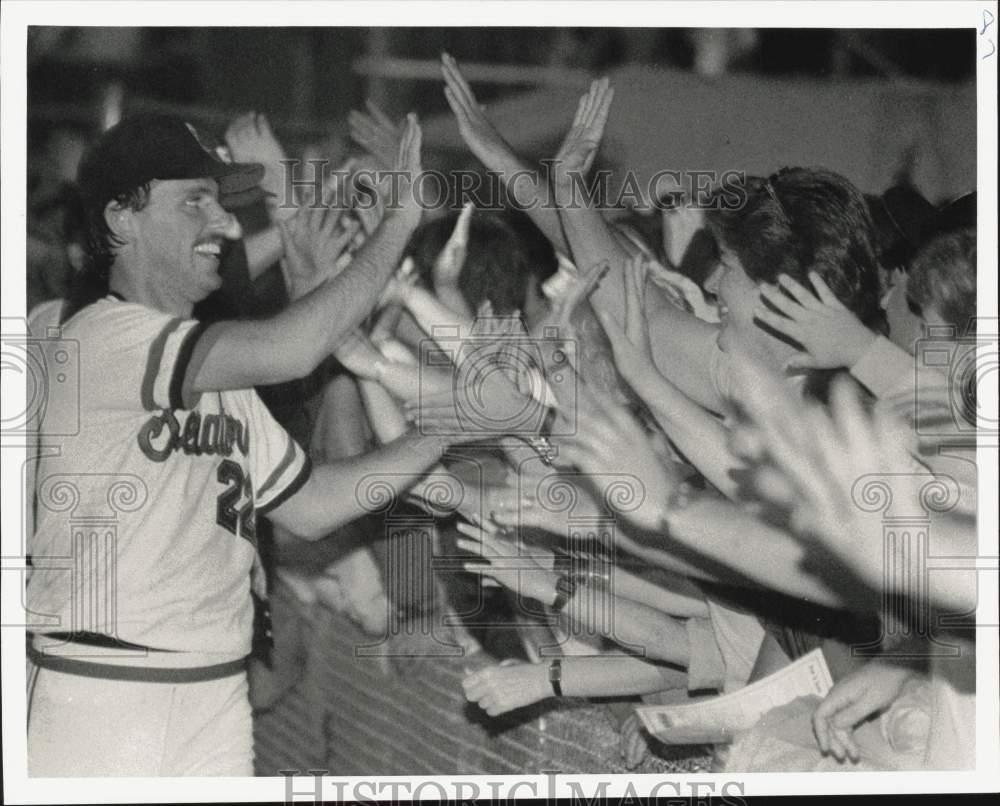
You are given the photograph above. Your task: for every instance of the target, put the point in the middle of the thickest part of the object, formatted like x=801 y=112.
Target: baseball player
x=145 y=535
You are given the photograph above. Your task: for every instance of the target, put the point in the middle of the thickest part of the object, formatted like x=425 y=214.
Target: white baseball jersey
x=146 y=521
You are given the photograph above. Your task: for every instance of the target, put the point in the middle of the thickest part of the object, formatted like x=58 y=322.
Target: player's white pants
x=84 y=726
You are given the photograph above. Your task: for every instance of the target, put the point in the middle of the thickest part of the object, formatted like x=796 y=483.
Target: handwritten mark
x=987 y=22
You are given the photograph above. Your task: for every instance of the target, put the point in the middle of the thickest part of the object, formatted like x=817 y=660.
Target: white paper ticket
x=718 y=719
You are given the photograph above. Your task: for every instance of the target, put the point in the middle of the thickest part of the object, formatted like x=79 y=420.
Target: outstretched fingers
x=601 y=108
x=805 y=298
x=409 y=146
x=827 y=297
x=455 y=82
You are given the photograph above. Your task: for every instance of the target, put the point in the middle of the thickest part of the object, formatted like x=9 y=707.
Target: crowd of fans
x=726 y=390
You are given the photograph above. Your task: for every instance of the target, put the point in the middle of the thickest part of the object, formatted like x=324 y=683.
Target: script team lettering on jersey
x=208 y=435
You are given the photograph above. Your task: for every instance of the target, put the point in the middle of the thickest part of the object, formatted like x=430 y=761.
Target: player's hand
x=376 y=133
x=860 y=695
x=579 y=148
x=509 y=685
x=831 y=336
x=478 y=132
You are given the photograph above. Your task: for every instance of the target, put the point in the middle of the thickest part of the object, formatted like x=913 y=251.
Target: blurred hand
x=375 y=132
x=408 y=164
x=807 y=462
x=482 y=402
x=449 y=263
x=560 y=367
x=679 y=227
x=358 y=355
x=863 y=693
x=634 y=742
x=478 y=132
x=609 y=441
x=510 y=685
x=401 y=284
x=517 y=570
x=314 y=240
x=250 y=139
x=537 y=497
x=630 y=342
x=831 y=335
x=371 y=210
x=579 y=148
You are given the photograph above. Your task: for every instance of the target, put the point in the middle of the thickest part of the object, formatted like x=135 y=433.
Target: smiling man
x=145 y=538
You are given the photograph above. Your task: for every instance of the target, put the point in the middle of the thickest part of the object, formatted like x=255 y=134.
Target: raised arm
x=527 y=185
x=241 y=354
x=682 y=343
x=699 y=435
x=588 y=234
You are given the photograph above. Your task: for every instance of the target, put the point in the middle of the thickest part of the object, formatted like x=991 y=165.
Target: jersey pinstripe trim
x=177 y=381
x=282 y=466
x=167 y=363
x=200 y=349
x=290 y=489
x=156 y=350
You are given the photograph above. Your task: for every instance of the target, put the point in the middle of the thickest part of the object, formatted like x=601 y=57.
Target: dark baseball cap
x=145 y=147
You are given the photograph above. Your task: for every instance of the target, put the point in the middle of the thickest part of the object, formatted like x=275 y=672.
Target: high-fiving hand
x=376 y=133
x=250 y=139
x=478 y=132
x=579 y=148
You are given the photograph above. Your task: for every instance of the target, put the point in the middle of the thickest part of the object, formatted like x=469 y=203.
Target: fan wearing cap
x=144 y=621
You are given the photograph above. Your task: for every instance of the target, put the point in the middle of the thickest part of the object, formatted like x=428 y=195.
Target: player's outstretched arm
x=338 y=492
x=241 y=354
